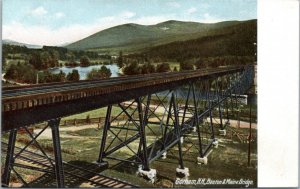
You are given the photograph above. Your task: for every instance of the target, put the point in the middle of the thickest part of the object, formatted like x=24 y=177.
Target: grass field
x=229 y=160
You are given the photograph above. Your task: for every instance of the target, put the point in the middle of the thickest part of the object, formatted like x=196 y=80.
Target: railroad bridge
x=159 y=111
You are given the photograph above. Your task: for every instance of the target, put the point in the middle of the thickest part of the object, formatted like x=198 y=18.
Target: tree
x=22 y=73
x=163 y=67
x=175 y=69
x=132 y=69
x=35 y=60
x=70 y=57
x=199 y=64
x=103 y=72
x=54 y=57
x=186 y=66
x=46 y=60
x=120 y=60
x=147 y=68
x=73 y=76
x=84 y=61
x=61 y=77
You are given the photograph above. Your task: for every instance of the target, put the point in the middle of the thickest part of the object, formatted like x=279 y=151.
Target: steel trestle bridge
x=159 y=111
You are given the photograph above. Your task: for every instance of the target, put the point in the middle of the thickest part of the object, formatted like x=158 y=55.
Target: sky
x=57 y=22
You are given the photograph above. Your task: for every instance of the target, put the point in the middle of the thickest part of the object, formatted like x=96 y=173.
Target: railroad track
x=37 y=103
x=10 y=92
x=74 y=175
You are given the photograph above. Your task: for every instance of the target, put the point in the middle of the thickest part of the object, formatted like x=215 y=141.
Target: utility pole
x=249 y=146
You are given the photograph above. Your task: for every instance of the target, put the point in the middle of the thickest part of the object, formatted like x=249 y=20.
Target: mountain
x=136 y=37
x=11 y=42
x=237 y=40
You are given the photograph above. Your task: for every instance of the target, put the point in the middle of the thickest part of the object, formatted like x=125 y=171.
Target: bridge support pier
x=100 y=161
x=142 y=133
x=9 y=158
x=185 y=172
x=181 y=170
x=148 y=174
x=215 y=143
x=164 y=155
x=202 y=160
x=222 y=132
x=59 y=170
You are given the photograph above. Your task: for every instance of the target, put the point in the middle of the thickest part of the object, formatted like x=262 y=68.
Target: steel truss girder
x=55 y=166
x=217 y=93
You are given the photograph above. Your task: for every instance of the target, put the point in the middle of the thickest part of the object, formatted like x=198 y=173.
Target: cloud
x=45 y=35
x=207 y=18
x=191 y=10
x=59 y=15
x=127 y=14
x=39 y=11
x=173 y=4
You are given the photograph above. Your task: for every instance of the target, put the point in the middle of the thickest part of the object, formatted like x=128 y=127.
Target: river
x=83 y=71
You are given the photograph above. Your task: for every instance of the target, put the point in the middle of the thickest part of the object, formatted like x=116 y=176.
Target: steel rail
x=29 y=158
x=22 y=91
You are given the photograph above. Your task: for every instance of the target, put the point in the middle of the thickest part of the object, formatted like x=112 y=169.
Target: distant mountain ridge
x=140 y=36
x=11 y=42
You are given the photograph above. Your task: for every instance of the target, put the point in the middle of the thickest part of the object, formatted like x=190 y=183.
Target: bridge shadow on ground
x=79 y=174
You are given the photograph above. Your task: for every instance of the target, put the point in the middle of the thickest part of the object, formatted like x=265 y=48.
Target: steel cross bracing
x=180 y=116
x=183 y=117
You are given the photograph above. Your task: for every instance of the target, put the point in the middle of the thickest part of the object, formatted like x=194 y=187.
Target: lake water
x=83 y=71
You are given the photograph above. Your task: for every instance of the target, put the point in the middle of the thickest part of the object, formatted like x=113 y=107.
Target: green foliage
x=132 y=69
x=175 y=69
x=137 y=37
x=21 y=73
x=163 y=67
x=73 y=76
x=200 y=64
x=48 y=77
x=120 y=60
x=70 y=57
x=56 y=52
x=103 y=72
x=214 y=62
x=35 y=60
x=44 y=59
x=186 y=66
x=84 y=61
x=147 y=68
x=72 y=64
x=237 y=40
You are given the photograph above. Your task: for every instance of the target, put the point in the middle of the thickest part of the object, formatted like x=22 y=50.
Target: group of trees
x=84 y=61
x=134 y=68
x=103 y=72
x=213 y=62
x=21 y=73
x=185 y=65
x=44 y=60
x=48 y=56
x=238 y=41
x=26 y=73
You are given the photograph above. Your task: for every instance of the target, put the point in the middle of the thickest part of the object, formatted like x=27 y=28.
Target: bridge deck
x=27 y=105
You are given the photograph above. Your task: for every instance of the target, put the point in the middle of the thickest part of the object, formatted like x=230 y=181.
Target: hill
x=135 y=37
x=11 y=42
x=237 y=40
